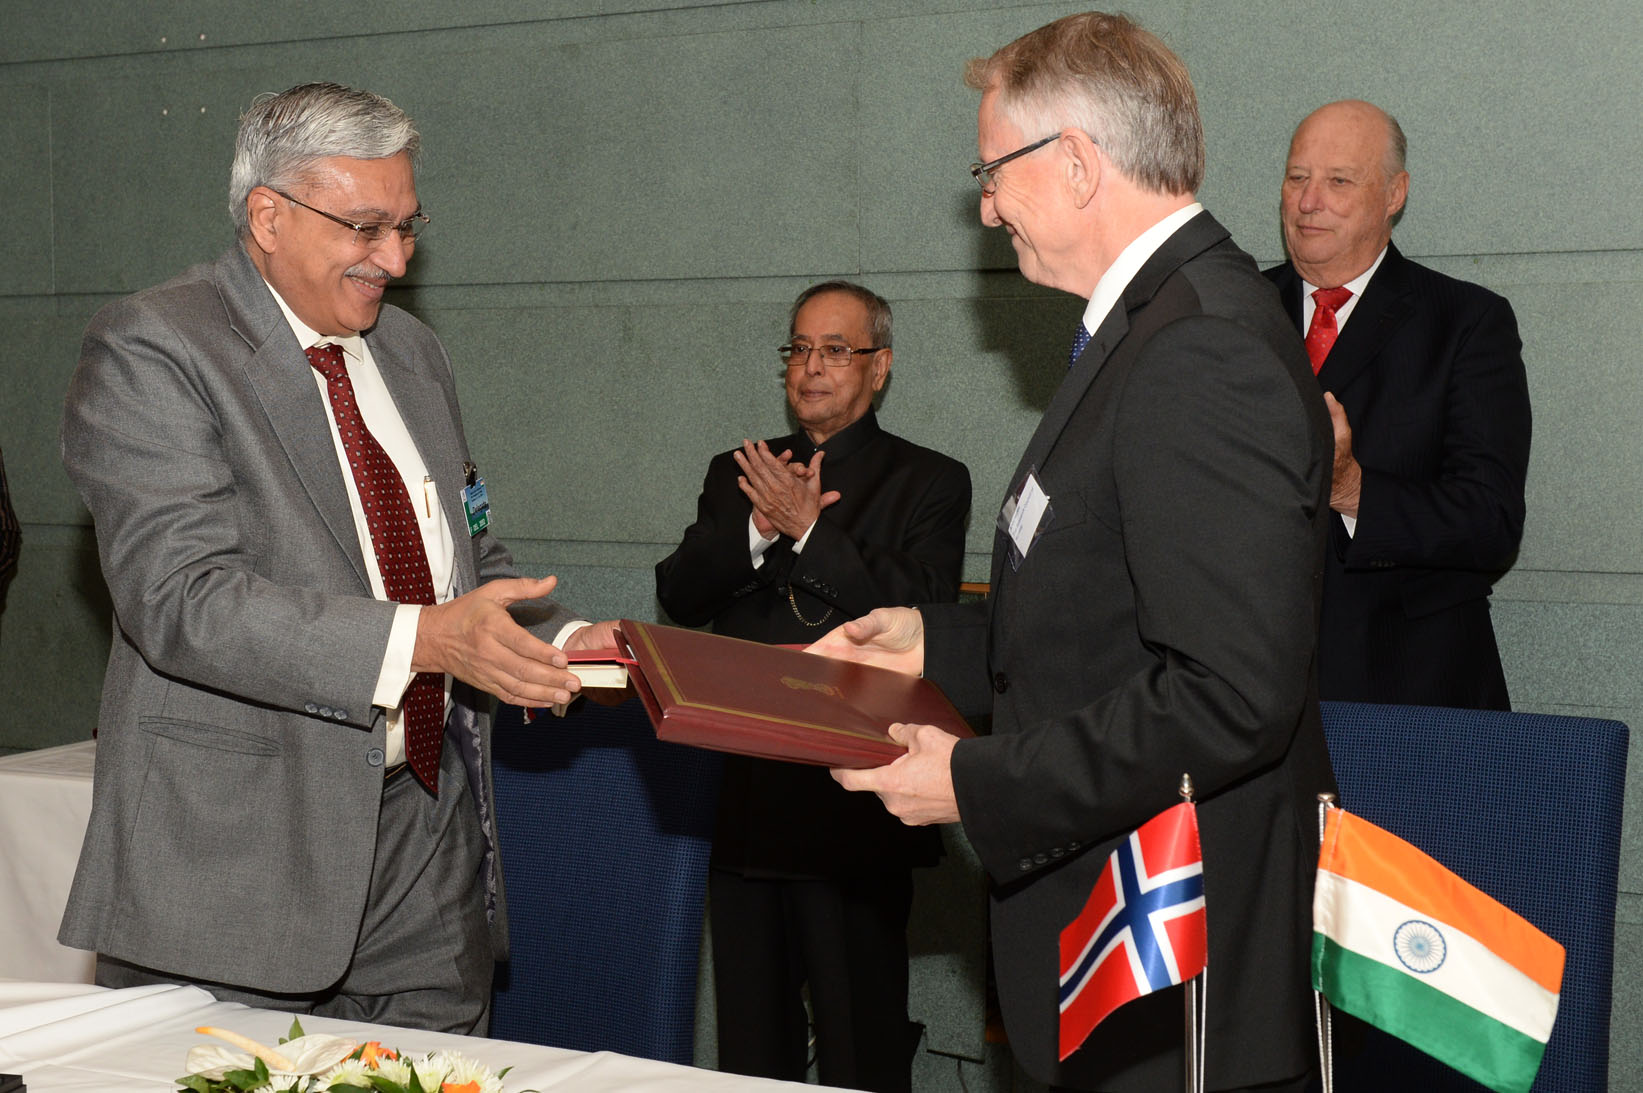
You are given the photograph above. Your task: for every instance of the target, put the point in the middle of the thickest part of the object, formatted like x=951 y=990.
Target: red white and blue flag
x=1142 y=929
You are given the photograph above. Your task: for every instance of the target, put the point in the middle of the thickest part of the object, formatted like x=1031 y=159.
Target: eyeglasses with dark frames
x=833 y=355
x=370 y=232
x=983 y=172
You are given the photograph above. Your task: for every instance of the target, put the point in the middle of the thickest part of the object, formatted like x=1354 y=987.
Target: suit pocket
x=211 y=823
x=1067 y=510
x=209 y=736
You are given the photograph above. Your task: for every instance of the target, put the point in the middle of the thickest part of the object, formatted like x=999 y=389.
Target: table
x=76 y=1038
x=45 y=800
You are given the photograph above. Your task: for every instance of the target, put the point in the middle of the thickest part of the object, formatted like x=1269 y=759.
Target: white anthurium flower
x=297 y=1058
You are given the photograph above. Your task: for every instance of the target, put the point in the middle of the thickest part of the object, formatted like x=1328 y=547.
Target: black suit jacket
x=896 y=536
x=1430 y=372
x=1163 y=622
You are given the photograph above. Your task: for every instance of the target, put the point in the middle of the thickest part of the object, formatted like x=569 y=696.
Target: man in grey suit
x=1154 y=596
x=254 y=826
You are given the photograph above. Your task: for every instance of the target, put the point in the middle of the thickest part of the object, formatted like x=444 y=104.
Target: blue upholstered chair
x=1524 y=806
x=605 y=839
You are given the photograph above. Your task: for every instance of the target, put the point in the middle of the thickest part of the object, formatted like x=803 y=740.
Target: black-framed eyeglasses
x=370 y=232
x=833 y=354
x=983 y=172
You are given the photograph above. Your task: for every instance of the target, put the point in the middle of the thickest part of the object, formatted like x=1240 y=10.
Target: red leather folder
x=711 y=691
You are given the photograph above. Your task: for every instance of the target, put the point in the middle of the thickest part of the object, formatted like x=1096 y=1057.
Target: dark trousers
x=848 y=941
x=423 y=958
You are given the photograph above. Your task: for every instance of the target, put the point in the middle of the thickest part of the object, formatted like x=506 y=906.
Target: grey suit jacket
x=1163 y=622
x=240 y=760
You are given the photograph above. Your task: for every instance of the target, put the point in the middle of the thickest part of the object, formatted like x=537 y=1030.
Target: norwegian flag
x=1142 y=928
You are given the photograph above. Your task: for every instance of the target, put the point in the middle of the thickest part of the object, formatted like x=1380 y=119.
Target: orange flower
x=372 y=1052
x=465 y=1087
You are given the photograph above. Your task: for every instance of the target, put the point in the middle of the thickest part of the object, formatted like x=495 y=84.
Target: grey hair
x=1397 y=147
x=1117 y=82
x=283 y=134
x=878 y=308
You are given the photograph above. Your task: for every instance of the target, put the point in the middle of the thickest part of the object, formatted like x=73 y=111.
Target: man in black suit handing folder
x=1155 y=575
x=1430 y=403
x=810 y=883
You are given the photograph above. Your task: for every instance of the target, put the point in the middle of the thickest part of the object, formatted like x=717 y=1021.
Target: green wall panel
x=640 y=158
x=45 y=32
x=37 y=356
x=25 y=180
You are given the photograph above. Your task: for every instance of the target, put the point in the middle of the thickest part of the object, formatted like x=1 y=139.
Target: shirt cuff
x=396 y=672
x=757 y=544
x=567 y=630
x=1351 y=523
x=805 y=538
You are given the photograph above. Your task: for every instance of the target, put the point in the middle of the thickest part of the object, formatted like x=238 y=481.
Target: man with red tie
x=1423 y=375
x=292 y=806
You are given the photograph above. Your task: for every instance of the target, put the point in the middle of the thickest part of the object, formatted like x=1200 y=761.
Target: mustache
x=369 y=272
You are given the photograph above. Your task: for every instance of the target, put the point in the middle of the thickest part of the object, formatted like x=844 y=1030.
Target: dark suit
x=240 y=760
x=1430 y=372
x=896 y=536
x=1163 y=622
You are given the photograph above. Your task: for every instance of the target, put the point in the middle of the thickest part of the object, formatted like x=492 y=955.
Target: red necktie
x=401 y=556
x=1320 y=336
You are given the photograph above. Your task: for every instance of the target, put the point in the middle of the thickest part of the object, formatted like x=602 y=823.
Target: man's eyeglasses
x=984 y=172
x=833 y=355
x=370 y=232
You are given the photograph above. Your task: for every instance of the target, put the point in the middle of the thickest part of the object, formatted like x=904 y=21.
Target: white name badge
x=1023 y=517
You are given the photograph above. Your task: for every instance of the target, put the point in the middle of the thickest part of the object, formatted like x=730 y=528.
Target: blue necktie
x=1080 y=340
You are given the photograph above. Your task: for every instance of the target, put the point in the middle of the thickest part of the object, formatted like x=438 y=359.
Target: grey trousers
x=423 y=957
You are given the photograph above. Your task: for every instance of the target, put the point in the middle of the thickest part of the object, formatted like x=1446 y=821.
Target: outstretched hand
x=474 y=639
x=888 y=637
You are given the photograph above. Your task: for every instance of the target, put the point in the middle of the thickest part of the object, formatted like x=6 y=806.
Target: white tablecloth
x=45 y=798
x=72 y=1038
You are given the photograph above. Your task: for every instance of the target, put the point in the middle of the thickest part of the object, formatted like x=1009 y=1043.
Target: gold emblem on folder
x=807 y=685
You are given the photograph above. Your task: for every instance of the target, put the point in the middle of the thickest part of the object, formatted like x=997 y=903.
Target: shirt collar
x=1354 y=286
x=350 y=344
x=1110 y=289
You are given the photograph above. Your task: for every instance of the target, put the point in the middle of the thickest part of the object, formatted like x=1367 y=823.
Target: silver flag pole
x=1320 y=1004
x=1196 y=998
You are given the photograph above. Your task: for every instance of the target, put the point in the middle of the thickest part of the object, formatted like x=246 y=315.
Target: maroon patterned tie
x=1320 y=336
x=401 y=556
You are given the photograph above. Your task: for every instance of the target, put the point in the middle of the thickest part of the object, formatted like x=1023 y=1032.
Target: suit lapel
x=1190 y=240
x=1387 y=303
x=280 y=375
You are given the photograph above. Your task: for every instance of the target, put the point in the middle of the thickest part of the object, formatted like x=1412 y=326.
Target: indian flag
x=1408 y=946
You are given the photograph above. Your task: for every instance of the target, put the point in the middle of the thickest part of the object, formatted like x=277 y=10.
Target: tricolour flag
x=1408 y=946
x=1142 y=928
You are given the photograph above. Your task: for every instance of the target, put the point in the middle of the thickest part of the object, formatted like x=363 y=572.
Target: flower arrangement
x=328 y=1064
